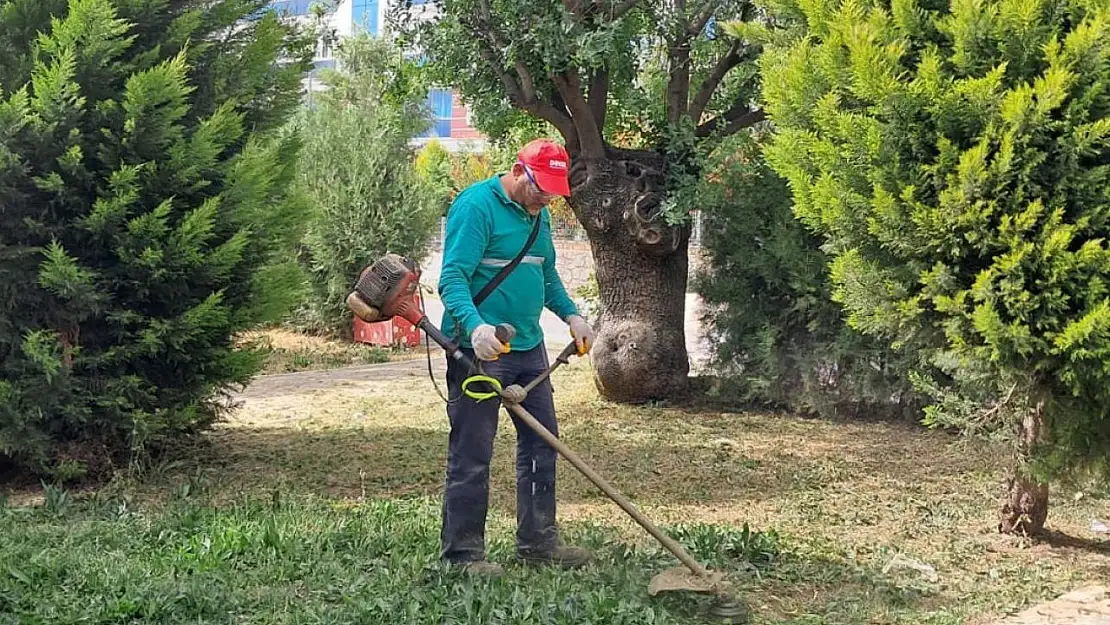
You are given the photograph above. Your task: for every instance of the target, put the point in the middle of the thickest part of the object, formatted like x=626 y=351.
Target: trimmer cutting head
x=725 y=607
x=728 y=610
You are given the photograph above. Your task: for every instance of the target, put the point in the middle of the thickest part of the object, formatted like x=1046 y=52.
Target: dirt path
x=301 y=382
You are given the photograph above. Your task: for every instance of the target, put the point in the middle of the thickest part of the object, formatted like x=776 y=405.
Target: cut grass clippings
x=322 y=506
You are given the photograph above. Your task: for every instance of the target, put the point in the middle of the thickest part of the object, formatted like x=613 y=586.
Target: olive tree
x=637 y=89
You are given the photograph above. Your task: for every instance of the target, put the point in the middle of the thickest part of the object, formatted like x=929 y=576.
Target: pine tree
x=144 y=218
x=956 y=158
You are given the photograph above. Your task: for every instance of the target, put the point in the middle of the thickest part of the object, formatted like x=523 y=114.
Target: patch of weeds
x=193 y=485
x=69 y=470
x=728 y=547
x=57 y=500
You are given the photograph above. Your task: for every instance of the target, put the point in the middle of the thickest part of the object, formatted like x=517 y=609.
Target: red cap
x=549 y=164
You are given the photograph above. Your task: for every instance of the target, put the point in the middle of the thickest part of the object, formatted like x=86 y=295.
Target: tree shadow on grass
x=707 y=394
x=1060 y=540
x=652 y=469
x=401 y=461
x=656 y=458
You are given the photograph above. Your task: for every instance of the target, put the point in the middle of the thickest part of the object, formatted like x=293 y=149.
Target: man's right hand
x=486 y=344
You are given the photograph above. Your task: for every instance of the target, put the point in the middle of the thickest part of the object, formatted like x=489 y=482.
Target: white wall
x=341 y=19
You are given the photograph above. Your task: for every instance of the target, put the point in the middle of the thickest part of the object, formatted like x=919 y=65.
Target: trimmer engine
x=385 y=290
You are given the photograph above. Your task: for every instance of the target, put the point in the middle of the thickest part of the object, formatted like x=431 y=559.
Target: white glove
x=486 y=344
x=582 y=332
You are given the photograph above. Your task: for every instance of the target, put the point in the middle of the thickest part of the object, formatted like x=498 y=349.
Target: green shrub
x=776 y=335
x=358 y=172
x=434 y=166
x=956 y=160
x=143 y=219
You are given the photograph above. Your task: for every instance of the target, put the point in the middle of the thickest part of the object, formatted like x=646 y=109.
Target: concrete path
x=1086 y=606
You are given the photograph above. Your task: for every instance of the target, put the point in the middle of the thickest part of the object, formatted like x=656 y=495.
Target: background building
x=451 y=124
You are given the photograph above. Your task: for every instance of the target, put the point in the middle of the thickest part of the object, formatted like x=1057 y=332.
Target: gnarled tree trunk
x=641 y=266
x=1025 y=508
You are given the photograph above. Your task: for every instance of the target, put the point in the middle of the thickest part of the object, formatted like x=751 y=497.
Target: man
x=488 y=224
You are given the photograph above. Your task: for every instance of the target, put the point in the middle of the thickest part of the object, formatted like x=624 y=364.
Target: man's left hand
x=582 y=332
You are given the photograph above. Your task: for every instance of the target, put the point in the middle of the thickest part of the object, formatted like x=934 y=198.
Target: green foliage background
x=777 y=337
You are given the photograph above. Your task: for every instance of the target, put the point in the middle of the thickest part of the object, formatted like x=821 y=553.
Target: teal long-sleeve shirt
x=485 y=230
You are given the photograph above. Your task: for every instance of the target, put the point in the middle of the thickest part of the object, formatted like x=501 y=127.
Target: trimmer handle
x=505 y=333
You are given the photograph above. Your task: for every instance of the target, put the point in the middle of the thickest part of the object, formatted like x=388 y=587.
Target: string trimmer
x=386 y=289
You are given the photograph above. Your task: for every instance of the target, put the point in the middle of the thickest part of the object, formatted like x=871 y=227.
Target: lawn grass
x=321 y=506
x=308 y=560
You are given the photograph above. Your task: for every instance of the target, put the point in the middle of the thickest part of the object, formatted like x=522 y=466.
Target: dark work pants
x=470 y=448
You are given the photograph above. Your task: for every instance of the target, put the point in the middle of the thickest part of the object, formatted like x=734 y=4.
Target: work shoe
x=481 y=568
x=565 y=556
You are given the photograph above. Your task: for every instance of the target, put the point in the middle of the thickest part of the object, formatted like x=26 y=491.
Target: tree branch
x=678 y=83
x=528 y=101
x=695 y=27
x=747 y=120
x=589 y=133
x=735 y=119
x=523 y=94
x=527 y=85
x=617 y=11
x=557 y=100
x=730 y=60
x=599 y=96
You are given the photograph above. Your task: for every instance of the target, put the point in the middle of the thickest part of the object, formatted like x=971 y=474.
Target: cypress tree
x=956 y=159
x=144 y=218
